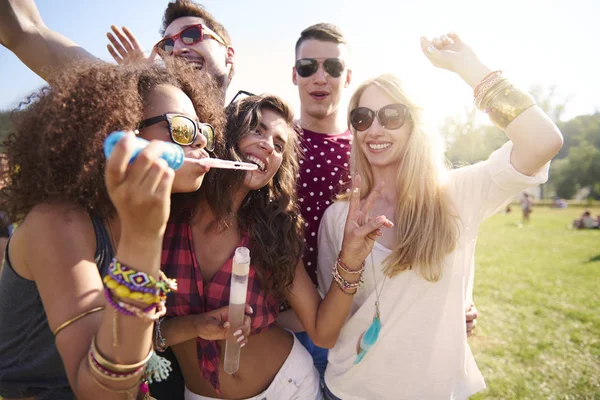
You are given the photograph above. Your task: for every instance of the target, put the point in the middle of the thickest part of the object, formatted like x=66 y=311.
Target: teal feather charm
x=370 y=336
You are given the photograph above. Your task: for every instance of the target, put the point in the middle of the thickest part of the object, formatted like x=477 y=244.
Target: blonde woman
x=404 y=337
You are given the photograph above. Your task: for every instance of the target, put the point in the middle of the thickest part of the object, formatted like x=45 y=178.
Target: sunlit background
x=548 y=43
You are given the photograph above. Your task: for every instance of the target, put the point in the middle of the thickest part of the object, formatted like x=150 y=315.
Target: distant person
x=587 y=221
x=526 y=205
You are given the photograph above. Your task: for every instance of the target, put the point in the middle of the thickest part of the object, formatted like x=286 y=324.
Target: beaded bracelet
x=124 y=275
x=340 y=264
x=344 y=284
x=160 y=343
x=131 y=310
x=131 y=292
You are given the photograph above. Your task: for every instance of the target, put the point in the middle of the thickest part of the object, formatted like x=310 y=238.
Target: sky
x=534 y=42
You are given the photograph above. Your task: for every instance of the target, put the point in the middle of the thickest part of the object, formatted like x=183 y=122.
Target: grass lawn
x=537 y=288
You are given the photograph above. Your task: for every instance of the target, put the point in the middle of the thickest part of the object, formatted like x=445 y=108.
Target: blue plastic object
x=173 y=154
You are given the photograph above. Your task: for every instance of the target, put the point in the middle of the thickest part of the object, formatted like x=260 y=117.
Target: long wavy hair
x=425 y=219
x=270 y=215
x=55 y=149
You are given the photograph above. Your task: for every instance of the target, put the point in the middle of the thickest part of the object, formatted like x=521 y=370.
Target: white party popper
x=237 y=306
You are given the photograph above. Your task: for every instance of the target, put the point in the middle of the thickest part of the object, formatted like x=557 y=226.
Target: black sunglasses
x=189 y=36
x=183 y=130
x=391 y=116
x=306 y=67
x=239 y=94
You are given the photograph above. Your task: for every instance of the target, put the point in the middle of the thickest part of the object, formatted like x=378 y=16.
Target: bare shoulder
x=51 y=231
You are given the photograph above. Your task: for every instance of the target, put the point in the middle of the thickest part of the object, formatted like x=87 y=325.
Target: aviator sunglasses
x=391 y=116
x=306 y=67
x=184 y=130
x=190 y=35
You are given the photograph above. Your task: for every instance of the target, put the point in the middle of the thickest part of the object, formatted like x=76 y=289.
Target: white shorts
x=297 y=379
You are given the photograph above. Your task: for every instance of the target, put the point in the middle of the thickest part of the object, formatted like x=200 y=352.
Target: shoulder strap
x=104 y=250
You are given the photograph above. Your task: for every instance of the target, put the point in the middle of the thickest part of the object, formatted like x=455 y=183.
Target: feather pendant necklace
x=369 y=337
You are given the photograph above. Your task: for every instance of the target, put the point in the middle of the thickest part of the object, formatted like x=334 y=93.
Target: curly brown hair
x=270 y=215
x=55 y=149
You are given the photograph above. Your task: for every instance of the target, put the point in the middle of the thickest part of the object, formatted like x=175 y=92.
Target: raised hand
x=361 y=230
x=141 y=190
x=125 y=48
x=447 y=51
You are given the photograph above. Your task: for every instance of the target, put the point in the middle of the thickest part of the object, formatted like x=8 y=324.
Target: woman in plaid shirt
x=258 y=210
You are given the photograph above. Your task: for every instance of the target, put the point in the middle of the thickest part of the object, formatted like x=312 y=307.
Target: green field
x=537 y=288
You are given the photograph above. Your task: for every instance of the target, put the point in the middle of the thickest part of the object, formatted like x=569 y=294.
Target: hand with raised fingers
x=447 y=52
x=125 y=48
x=140 y=190
x=361 y=229
x=213 y=325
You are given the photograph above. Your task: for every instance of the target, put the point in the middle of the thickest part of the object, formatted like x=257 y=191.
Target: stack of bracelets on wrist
x=123 y=283
x=108 y=370
x=349 y=288
x=497 y=97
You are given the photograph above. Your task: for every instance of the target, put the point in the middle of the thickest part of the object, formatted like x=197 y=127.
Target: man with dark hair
x=23 y=31
x=321 y=73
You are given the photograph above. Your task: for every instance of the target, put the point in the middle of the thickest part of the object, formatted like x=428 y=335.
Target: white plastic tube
x=237 y=306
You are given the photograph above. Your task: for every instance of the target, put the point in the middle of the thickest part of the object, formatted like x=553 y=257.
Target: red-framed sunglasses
x=190 y=35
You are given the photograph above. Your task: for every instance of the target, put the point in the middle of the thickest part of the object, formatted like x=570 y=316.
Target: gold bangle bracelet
x=118 y=367
x=493 y=92
x=126 y=391
x=104 y=374
x=504 y=108
x=76 y=318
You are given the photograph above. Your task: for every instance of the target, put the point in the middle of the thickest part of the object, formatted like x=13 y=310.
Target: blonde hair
x=425 y=220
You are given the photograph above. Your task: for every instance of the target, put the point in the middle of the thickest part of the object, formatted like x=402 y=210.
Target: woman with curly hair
x=64 y=333
x=199 y=245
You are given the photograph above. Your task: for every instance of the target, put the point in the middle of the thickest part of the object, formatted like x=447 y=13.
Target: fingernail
x=240 y=339
x=238 y=332
x=243 y=344
x=226 y=324
x=251 y=310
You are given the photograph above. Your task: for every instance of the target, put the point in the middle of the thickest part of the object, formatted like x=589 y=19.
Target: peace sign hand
x=361 y=230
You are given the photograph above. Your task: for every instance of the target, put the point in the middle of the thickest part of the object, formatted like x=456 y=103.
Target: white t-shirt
x=422 y=350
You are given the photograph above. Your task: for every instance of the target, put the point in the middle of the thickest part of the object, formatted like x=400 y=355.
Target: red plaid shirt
x=194 y=296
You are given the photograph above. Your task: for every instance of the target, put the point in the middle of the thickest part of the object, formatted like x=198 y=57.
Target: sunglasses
x=241 y=94
x=306 y=67
x=190 y=35
x=391 y=116
x=184 y=130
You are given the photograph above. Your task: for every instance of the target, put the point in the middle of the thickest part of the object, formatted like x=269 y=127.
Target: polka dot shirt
x=323 y=174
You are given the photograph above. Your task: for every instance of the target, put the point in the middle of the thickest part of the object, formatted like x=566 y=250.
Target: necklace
x=370 y=336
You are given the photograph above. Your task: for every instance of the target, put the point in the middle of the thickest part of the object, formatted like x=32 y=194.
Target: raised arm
x=536 y=139
x=23 y=32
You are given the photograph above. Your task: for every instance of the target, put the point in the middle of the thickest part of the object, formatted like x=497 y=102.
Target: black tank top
x=29 y=361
